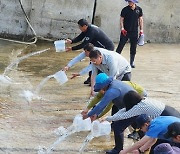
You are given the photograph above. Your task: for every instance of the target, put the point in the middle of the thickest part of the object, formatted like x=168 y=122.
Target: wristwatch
x=140 y=151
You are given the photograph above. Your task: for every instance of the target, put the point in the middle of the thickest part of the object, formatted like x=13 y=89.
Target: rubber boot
x=132 y=60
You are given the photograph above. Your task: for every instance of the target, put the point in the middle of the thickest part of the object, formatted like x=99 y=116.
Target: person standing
x=131 y=18
x=90 y=34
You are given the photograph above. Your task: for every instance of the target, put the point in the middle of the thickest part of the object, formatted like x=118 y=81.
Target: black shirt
x=131 y=18
x=95 y=36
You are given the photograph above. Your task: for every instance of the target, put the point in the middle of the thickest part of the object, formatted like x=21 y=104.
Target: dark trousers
x=119 y=127
x=133 y=37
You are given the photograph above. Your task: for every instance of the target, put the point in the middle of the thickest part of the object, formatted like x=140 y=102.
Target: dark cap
x=141 y=120
x=173 y=130
x=166 y=148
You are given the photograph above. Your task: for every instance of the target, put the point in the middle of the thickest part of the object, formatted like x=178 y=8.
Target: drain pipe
x=94 y=11
x=33 y=31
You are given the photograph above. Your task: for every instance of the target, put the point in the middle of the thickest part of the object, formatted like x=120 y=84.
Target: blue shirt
x=158 y=126
x=115 y=93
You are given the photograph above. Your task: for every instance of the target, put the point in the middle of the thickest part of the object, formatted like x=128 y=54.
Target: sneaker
x=132 y=66
x=134 y=135
x=113 y=151
x=88 y=81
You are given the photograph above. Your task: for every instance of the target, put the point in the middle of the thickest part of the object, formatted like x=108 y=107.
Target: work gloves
x=123 y=31
x=141 y=32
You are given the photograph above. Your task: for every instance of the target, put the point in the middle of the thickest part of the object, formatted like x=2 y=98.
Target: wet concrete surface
x=24 y=126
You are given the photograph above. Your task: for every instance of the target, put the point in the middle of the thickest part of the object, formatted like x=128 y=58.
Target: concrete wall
x=161 y=19
x=58 y=18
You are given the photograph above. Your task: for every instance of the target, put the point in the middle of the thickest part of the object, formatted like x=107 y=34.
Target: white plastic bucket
x=100 y=129
x=105 y=128
x=141 y=40
x=80 y=124
x=95 y=130
x=60 y=45
x=61 y=77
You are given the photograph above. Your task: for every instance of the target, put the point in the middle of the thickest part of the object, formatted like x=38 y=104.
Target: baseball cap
x=101 y=81
x=134 y=1
x=173 y=130
x=166 y=148
x=141 y=120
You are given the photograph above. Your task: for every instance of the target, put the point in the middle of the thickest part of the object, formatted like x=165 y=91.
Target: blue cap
x=101 y=78
x=141 y=120
x=134 y=1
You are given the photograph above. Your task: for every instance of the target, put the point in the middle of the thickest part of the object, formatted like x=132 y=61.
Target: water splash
x=70 y=130
x=85 y=143
x=29 y=96
x=98 y=129
x=5 y=79
x=60 y=131
x=78 y=125
x=39 y=87
x=16 y=62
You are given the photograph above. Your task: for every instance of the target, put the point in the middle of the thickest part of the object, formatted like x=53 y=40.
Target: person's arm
x=136 y=145
x=92 y=85
x=76 y=59
x=123 y=31
x=82 y=72
x=106 y=110
x=134 y=111
x=78 y=38
x=93 y=76
x=87 y=39
x=148 y=144
x=95 y=100
x=86 y=70
x=108 y=97
x=122 y=23
x=141 y=24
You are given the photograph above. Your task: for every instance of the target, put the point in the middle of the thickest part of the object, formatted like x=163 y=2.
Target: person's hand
x=94 y=117
x=92 y=93
x=66 y=68
x=68 y=49
x=84 y=112
x=85 y=116
x=141 y=32
x=123 y=31
x=68 y=41
x=75 y=75
x=107 y=119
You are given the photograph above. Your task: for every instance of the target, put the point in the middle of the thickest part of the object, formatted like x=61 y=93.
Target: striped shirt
x=147 y=106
